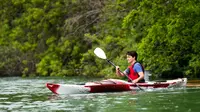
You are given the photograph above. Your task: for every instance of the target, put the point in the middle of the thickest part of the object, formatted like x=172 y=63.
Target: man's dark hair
x=132 y=53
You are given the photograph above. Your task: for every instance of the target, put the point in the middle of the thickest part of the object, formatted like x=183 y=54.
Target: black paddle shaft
x=119 y=69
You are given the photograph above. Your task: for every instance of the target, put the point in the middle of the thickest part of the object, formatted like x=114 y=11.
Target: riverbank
x=193 y=83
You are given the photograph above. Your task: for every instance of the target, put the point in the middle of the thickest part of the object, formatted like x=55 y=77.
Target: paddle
x=100 y=53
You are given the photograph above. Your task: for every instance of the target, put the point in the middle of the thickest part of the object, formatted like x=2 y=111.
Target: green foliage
x=167 y=47
x=57 y=38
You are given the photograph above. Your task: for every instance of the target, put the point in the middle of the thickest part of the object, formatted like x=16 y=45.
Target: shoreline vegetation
x=58 y=37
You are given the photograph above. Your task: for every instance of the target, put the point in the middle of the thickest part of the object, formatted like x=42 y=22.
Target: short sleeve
x=127 y=71
x=137 y=67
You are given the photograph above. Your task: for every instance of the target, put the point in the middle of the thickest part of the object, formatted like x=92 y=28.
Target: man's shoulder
x=137 y=65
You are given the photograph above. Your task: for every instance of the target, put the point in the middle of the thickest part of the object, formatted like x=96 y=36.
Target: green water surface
x=31 y=95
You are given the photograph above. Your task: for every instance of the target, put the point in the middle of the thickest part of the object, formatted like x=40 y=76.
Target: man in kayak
x=135 y=71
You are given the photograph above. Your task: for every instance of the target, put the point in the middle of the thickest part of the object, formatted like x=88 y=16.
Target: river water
x=31 y=95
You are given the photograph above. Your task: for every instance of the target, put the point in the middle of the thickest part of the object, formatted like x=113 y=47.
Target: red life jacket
x=134 y=75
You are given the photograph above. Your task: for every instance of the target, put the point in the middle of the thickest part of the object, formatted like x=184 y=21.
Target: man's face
x=130 y=59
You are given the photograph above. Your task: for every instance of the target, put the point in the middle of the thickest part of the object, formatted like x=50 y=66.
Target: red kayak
x=113 y=85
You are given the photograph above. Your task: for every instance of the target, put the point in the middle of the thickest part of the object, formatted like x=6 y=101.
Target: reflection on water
x=24 y=95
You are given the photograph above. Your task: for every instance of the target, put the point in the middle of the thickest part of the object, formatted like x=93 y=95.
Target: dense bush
x=57 y=38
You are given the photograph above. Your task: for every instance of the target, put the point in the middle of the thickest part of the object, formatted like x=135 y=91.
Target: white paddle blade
x=100 y=53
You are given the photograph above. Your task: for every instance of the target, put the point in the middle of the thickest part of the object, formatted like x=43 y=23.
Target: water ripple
x=31 y=95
